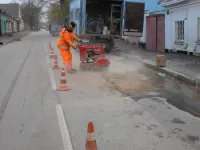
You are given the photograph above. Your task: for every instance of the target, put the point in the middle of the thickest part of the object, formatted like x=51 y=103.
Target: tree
x=14 y=2
x=58 y=11
x=54 y=13
x=64 y=4
x=31 y=11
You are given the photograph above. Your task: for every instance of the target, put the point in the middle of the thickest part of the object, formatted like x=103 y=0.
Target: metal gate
x=151 y=33
x=155 y=33
x=161 y=34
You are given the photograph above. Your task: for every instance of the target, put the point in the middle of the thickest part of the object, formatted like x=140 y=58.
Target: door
x=133 y=18
x=161 y=34
x=151 y=33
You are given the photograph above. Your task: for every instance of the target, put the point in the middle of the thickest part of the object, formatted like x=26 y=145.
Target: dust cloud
x=125 y=75
x=123 y=65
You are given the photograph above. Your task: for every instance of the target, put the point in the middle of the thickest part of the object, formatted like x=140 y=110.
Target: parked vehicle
x=101 y=20
x=55 y=31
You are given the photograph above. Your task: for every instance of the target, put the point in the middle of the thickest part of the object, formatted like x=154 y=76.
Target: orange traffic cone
x=50 y=47
x=90 y=139
x=55 y=66
x=63 y=82
x=52 y=54
x=118 y=51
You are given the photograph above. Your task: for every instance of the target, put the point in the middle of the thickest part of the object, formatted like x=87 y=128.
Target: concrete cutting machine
x=92 y=57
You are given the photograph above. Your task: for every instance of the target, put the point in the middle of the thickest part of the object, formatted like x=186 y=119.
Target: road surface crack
x=12 y=86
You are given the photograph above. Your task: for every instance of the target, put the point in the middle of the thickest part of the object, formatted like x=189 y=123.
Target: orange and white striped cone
x=52 y=54
x=118 y=52
x=63 y=82
x=50 y=47
x=90 y=139
x=55 y=66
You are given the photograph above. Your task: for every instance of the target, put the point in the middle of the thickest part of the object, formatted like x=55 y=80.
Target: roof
x=2 y=12
x=170 y=2
x=161 y=1
x=11 y=9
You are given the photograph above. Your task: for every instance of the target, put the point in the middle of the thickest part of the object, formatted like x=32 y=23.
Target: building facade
x=15 y=26
x=13 y=10
x=3 y=19
x=8 y=25
x=182 y=25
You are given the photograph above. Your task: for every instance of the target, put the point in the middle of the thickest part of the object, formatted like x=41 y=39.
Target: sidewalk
x=181 y=66
x=7 y=39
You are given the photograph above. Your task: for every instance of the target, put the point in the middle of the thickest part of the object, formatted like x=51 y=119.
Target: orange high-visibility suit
x=64 y=43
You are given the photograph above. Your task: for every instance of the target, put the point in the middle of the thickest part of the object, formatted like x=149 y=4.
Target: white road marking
x=63 y=128
x=61 y=119
x=124 y=54
x=48 y=60
x=53 y=83
x=46 y=48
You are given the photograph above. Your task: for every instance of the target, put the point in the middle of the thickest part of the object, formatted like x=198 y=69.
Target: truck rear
x=103 y=20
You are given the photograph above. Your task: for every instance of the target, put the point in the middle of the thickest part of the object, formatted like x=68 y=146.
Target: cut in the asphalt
x=10 y=90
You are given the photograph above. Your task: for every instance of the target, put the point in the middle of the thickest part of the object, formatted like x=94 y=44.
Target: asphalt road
x=34 y=116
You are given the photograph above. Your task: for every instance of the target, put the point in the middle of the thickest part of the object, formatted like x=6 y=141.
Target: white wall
x=190 y=14
x=15 y=26
x=22 y=26
x=143 y=38
x=192 y=37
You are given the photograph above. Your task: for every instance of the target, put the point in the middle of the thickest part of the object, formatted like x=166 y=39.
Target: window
x=179 y=29
x=199 y=28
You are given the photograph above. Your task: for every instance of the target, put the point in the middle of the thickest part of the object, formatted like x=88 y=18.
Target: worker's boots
x=71 y=70
x=74 y=70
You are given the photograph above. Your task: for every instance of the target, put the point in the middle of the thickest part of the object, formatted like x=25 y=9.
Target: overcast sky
x=4 y=1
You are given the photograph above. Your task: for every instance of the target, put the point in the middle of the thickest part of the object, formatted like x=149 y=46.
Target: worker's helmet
x=72 y=25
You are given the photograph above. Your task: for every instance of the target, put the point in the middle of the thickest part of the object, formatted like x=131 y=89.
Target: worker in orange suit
x=64 y=43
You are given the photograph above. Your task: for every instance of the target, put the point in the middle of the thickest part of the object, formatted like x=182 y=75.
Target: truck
x=102 y=21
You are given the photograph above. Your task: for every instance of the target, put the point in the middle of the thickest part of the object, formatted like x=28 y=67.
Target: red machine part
x=98 y=50
x=101 y=62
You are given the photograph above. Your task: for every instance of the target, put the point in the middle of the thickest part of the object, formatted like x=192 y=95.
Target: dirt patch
x=158 y=100
x=128 y=83
x=160 y=134
x=17 y=39
x=192 y=139
x=177 y=130
x=178 y=121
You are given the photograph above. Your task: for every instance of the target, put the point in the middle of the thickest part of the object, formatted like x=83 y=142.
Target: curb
x=10 y=41
x=167 y=71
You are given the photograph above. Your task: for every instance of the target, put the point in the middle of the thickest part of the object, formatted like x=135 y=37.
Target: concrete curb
x=177 y=75
x=10 y=41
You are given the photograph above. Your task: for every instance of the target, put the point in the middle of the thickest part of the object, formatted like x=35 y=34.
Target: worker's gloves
x=74 y=46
